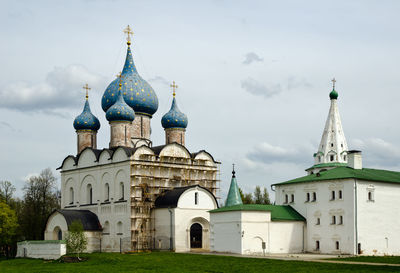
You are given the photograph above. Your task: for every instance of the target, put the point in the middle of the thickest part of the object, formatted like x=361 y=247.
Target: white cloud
x=378 y=152
x=160 y=80
x=252 y=57
x=266 y=153
x=256 y=88
x=62 y=89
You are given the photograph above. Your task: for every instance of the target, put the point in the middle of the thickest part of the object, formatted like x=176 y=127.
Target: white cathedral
x=135 y=196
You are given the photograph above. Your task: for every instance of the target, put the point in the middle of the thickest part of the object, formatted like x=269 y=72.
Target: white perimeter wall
x=244 y=231
x=41 y=249
x=226 y=232
x=378 y=221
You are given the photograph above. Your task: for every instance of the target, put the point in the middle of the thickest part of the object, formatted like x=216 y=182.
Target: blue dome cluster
x=120 y=111
x=174 y=118
x=86 y=120
x=136 y=92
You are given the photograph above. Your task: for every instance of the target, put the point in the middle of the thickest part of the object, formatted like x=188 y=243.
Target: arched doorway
x=57 y=233
x=196 y=236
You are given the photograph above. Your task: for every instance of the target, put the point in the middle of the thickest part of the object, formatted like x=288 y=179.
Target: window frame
x=314 y=195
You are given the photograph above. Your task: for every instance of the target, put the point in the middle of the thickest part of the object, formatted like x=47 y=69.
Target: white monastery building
x=134 y=196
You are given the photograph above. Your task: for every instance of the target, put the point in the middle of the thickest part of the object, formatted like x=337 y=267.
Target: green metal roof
x=347 y=172
x=278 y=213
x=332 y=164
x=233 y=194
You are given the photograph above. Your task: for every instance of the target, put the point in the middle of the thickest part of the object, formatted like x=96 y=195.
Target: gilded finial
x=87 y=88
x=174 y=86
x=333 y=83
x=128 y=31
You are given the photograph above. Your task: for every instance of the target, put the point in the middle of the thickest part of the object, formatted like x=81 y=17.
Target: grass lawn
x=373 y=259
x=173 y=262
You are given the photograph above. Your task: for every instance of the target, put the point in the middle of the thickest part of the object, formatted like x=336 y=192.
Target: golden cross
x=87 y=89
x=174 y=86
x=333 y=81
x=128 y=31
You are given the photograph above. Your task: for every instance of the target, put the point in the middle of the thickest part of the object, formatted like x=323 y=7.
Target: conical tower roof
x=333 y=146
x=233 y=194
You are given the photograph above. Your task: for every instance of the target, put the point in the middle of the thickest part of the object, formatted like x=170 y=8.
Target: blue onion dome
x=174 y=118
x=120 y=111
x=137 y=93
x=86 y=120
x=333 y=95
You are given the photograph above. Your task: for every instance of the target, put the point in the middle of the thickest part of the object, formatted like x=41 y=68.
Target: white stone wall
x=226 y=232
x=243 y=232
x=286 y=237
x=114 y=211
x=377 y=219
x=48 y=250
x=324 y=208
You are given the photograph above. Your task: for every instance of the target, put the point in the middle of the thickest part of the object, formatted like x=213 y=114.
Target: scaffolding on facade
x=150 y=178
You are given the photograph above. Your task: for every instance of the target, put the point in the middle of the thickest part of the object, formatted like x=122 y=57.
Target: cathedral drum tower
x=137 y=93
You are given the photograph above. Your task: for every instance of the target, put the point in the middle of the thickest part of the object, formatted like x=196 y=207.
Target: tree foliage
x=40 y=199
x=76 y=239
x=6 y=191
x=260 y=196
x=8 y=224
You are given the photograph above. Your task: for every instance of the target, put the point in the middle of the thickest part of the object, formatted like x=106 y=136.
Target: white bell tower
x=332 y=150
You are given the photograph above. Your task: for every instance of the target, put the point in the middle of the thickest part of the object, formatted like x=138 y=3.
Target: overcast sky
x=253 y=77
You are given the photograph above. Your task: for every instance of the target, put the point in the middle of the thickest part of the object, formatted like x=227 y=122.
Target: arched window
x=121 y=191
x=314 y=196
x=370 y=196
x=292 y=198
x=89 y=196
x=337 y=245
x=333 y=195
x=340 y=194
x=286 y=199
x=71 y=196
x=196 y=198
x=317 y=245
x=340 y=220
x=308 y=197
x=119 y=228
x=106 y=192
x=106 y=228
x=333 y=220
